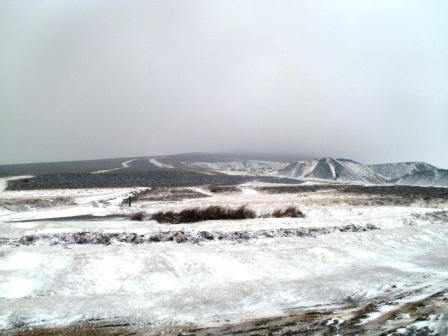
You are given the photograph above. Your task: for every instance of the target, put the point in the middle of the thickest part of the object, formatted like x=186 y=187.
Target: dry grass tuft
x=213 y=212
x=138 y=216
x=216 y=212
x=291 y=211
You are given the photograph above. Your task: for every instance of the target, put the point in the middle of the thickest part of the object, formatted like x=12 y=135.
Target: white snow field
x=53 y=282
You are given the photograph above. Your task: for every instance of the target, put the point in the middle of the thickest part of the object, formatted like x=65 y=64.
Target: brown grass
x=291 y=211
x=138 y=216
x=83 y=330
x=193 y=215
x=216 y=212
x=224 y=189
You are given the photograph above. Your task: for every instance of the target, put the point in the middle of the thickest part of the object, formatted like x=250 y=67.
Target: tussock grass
x=213 y=212
x=216 y=212
x=139 y=216
x=224 y=189
x=291 y=211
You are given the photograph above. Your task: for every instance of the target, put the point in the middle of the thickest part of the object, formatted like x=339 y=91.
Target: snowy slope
x=443 y=181
x=299 y=168
x=428 y=178
x=413 y=173
x=343 y=170
x=363 y=171
x=331 y=169
x=397 y=170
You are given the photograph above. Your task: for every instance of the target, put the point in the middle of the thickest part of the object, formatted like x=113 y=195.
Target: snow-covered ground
x=221 y=280
x=71 y=202
x=170 y=282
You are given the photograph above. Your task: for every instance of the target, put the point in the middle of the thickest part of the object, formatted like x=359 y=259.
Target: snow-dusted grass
x=290 y=211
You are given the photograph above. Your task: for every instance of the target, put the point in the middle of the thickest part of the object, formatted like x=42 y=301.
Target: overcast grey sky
x=366 y=80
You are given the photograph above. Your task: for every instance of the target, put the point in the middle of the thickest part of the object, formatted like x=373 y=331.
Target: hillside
x=427 y=178
x=331 y=169
x=192 y=168
x=344 y=170
x=392 y=171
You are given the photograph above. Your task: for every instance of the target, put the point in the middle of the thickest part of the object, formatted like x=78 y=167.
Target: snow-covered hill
x=413 y=173
x=397 y=170
x=343 y=170
x=332 y=169
x=427 y=178
x=154 y=169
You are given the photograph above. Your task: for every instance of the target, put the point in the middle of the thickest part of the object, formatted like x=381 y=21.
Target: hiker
x=129 y=200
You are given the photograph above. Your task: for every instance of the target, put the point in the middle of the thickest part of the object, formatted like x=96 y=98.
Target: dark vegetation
x=291 y=211
x=391 y=190
x=218 y=189
x=126 y=179
x=70 y=167
x=61 y=167
x=106 y=238
x=139 y=216
x=140 y=164
x=193 y=215
x=162 y=178
x=215 y=212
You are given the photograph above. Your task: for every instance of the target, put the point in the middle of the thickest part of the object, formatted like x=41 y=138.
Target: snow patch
x=124 y=165
x=16 y=287
x=160 y=164
x=19 y=261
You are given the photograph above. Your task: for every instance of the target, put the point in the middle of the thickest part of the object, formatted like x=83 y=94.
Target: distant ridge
x=345 y=170
x=396 y=170
x=426 y=178
x=413 y=173
x=274 y=165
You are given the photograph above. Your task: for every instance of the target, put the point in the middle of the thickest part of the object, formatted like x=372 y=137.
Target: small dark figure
x=129 y=200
